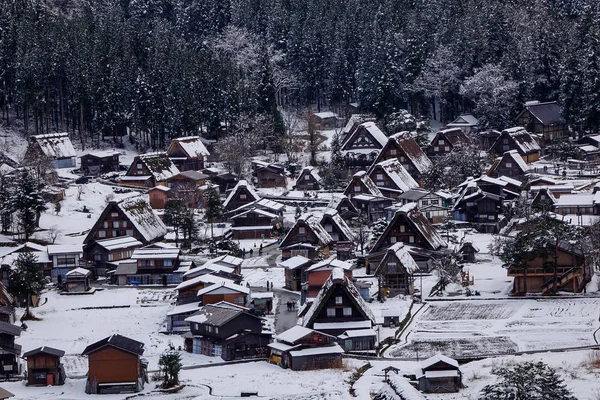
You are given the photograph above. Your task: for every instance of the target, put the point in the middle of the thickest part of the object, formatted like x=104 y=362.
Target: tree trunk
x=81 y=126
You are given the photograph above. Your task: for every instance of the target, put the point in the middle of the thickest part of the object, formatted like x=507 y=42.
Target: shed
x=78 y=280
x=440 y=374
x=44 y=367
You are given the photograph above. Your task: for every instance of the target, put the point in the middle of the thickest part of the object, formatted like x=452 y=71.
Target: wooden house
x=343 y=205
x=295 y=271
x=391 y=178
x=467 y=122
x=240 y=195
x=467 y=250
x=225 y=181
x=337 y=228
x=432 y=204
x=78 y=280
x=10 y=352
x=367 y=197
x=155 y=265
x=262 y=302
x=395 y=271
x=176 y=318
x=326 y=120
x=64 y=259
x=187 y=291
x=100 y=162
x=316 y=275
x=189 y=187
x=306 y=238
x=269 y=175
x=574 y=272
x=254 y=224
x=149 y=170
x=308 y=179
x=56 y=147
x=408 y=226
x=405 y=149
x=44 y=367
x=518 y=139
x=511 y=164
x=158 y=197
x=222 y=265
x=115 y=366
x=480 y=202
x=224 y=291
x=10 y=255
x=300 y=349
x=227 y=331
x=545 y=119
x=487 y=138
x=354 y=121
x=578 y=204
x=445 y=140
x=439 y=374
x=362 y=146
x=188 y=153
x=338 y=309
x=103 y=251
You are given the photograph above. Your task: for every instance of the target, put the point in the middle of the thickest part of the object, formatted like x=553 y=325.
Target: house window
x=391 y=264
x=357 y=188
x=393 y=152
x=508 y=165
x=105 y=224
x=115 y=224
x=435 y=202
x=411 y=239
x=504 y=141
x=347 y=311
x=491 y=217
x=306 y=177
x=338 y=300
x=392 y=239
x=65 y=260
x=114 y=215
x=147 y=263
x=441 y=142
x=209 y=328
x=216 y=329
x=301 y=230
x=111 y=257
x=97 y=257
x=102 y=234
x=167 y=263
x=238 y=300
x=129 y=232
x=379 y=177
x=436 y=149
x=424 y=202
x=402 y=228
x=243 y=196
x=331 y=312
x=115 y=233
x=139 y=166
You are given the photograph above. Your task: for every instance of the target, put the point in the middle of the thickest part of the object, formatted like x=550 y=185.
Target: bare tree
x=79 y=192
x=312 y=136
x=53 y=233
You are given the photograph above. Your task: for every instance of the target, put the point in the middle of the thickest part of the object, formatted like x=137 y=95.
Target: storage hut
x=44 y=367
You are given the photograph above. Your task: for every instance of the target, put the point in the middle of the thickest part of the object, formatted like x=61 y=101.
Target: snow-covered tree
x=494 y=96
x=453 y=168
x=170 y=364
x=377 y=229
x=26 y=279
x=27 y=203
x=527 y=381
x=213 y=208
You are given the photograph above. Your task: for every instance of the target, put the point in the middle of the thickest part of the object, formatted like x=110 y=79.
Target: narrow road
x=285 y=319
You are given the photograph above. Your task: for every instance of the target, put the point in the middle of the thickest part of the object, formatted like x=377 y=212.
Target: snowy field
x=476 y=327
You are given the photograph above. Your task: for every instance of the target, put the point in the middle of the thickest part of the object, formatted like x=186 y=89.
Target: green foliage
x=26 y=279
x=28 y=203
x=175 y=212
x=449 y=170
x=527 y=381
x=170 y=364
x=224 y=246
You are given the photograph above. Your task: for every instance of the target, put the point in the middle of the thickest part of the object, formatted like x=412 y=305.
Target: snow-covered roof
x=339 y=223
x=224 y=286
x=311 y=351
x=79 y=271
x=437 y=358
x=227 y=260
x=403 y=388
x=101 y=153
x=325 y=114
x=397 y=174
x=184 y=309
x=261 y=295
x=402 y=254
x=331 y=264
x=511 y=181
x=210 y=279
x=366 y=324
x=312 y=171
x=143 y=218
x=441 y=374
x=55 y=145
x=295 y=262
x=379 y=138
x=155 y=254
x=192 y=146
x=464 y=120
x=6 y=169
x=257 y=211
x=241 y=184
x=54 y=249
x=354 y=333
x=293 y=334
x=412 y=150
x=159 y=165
x=576 y=200
x=363 y=177
x=511 y=156
x=280 y=346
x=524 y=141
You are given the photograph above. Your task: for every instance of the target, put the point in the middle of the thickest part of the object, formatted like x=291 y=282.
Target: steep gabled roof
x=44 y=350
x=294 y=334
x=337 y=277
x=241 y=184
x=512 y=156
x=525 y=143
x=439 y=358
x=464 y=120
x=454 y=136
x=548 y=114
x=148 y=224
x=312 y=171
x=339 y=222
x=55 y=145
x=117 y=341
x=159 y=165
x=225 y=286
x=420 y=224
x=314 y=224
x=412 y=150
x=402 y=254
x=330 y=264
x=367 y=182
x=378 y=137
x=191 y=145
x=397 y=174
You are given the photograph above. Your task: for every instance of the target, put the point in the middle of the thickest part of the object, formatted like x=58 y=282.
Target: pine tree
x=170 y=364
x=213 y=209
x=6 y=206
x=28 y=203
x=174 y=214
x=378 y=229
x=527 y=381
x=26 y=279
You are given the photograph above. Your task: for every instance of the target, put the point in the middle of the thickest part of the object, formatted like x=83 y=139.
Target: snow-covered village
x=387 y=200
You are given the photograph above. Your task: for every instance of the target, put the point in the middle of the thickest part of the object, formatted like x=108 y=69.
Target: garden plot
x=479 y=327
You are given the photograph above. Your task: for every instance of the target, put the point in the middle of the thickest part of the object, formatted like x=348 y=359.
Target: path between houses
x=285 y=319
